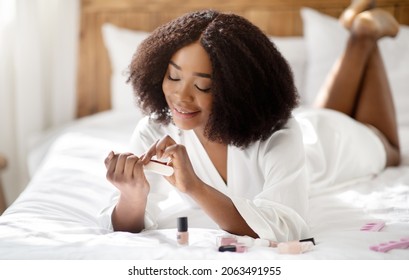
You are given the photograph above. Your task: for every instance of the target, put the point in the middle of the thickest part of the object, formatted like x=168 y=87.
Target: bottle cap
x=182 y=224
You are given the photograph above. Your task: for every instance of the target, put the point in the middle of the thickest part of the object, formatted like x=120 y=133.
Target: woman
x=220 y=98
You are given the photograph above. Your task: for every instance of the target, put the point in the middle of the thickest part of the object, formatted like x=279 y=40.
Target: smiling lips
x=184 y=114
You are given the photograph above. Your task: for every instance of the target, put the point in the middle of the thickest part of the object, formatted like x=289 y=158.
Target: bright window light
x=7 y=11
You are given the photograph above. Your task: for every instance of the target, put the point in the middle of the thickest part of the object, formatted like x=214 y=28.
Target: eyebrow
x=199 y=74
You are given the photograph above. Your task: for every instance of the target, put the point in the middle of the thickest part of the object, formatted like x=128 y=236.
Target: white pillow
x=121 y=44
x=325 y=40
x=294 y=51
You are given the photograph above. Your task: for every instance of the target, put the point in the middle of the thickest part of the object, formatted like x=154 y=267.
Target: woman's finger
x=109 y=158
x=120 y=165
x=129 y=165
x=157 y=149
x=111 y=167
x=138 y=169
x=162 y=145
x=174 y=151
x=149 y=153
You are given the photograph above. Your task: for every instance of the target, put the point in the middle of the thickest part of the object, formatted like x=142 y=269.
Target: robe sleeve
x=278 y=212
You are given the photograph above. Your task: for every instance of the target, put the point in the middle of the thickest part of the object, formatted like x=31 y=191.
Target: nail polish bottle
x=238 y=248
x=182 y=234
x=294 y=247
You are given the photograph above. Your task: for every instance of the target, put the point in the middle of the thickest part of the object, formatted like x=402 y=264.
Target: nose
x=184 y=93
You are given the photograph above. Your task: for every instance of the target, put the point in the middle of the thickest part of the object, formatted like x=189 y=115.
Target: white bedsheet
x=56 y=216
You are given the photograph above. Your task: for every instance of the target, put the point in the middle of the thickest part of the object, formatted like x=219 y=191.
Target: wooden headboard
x=275 y=17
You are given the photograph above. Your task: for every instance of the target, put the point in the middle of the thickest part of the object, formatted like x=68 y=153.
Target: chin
x=183 y=125
x=186 y=124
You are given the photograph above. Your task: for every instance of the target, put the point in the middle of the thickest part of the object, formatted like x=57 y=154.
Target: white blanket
x=57 y=215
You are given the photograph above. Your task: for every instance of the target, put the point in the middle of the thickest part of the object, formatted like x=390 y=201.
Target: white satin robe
x=268 y=182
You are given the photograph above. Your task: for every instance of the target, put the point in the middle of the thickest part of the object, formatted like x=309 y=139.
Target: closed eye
x=203 y=89
x=173 y=79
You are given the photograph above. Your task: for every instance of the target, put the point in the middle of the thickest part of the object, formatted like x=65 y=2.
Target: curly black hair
x=252 y=83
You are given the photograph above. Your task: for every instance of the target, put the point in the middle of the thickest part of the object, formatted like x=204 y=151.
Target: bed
x=56 y=217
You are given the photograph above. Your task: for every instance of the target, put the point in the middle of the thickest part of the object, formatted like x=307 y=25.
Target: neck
x=217 y=153
x=205 y=141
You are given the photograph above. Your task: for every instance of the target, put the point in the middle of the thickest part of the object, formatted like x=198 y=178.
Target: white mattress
x=56 y=216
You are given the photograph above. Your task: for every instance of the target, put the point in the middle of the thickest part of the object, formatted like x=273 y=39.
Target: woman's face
x=187 y=87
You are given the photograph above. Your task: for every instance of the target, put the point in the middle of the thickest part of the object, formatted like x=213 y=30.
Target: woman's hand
x=216 y=204
x=184 y=178
x=125 y=171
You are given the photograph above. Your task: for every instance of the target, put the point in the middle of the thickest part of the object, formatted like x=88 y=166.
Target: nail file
x=385 y=247
x=159 y=168
x=376 y=226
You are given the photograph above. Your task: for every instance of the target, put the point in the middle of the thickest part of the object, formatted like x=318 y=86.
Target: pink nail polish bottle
x=182 y=235
x=294 y=247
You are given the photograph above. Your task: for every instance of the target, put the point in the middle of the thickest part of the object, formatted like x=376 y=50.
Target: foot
x=356 y=7
x=375 y=23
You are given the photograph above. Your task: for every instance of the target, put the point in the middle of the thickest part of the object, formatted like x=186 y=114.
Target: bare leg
x=341 y=88
x=375 y=106
x=358 y=85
